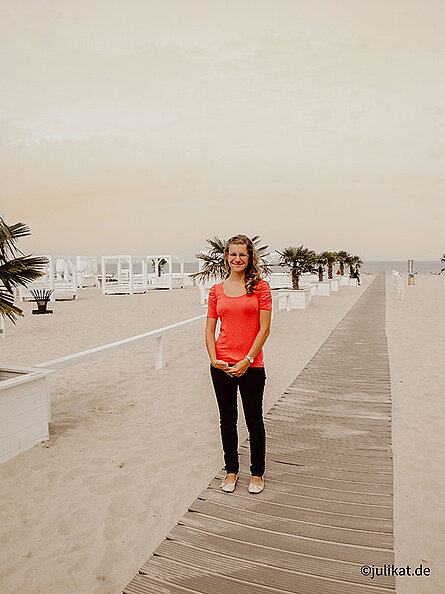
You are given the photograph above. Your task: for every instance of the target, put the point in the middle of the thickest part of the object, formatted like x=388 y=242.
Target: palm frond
x=9 y=234
x=7 y=307
x=22 y=271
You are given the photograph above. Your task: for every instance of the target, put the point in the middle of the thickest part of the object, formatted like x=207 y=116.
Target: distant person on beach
x=357 y=276
x=243 y=303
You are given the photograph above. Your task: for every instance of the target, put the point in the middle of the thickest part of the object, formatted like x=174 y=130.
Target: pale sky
x=140 y=126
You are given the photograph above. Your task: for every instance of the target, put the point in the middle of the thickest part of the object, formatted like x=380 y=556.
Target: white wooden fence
x=156 y=335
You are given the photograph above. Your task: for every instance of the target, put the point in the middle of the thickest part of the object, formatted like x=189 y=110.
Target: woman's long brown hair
x=252 y=271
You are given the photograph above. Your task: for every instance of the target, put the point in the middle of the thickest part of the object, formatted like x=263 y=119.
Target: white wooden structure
x=334 y=284
x=169 y=279
x=24 y=409
x=126 y=281
x=46 y=281
x=280 y=280
x=309 y=277
x=60 y=276
x=399 y=283
x=298 y=298
x=86 y=271
x=324 y=289
x=343 y=280
x=65 y=282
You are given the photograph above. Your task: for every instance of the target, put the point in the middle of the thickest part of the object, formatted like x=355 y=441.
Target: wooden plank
x=383 y=540
x=244 y=580
x=288 y=542
x=309 y=502
x=323 y=517
x=262 y=568
x=278 y=557
x=371 y=500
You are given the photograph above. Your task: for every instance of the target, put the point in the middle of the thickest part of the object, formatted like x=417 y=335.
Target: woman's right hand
x=219 y=364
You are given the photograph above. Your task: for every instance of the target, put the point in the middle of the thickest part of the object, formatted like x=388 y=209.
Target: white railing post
x=159 y=352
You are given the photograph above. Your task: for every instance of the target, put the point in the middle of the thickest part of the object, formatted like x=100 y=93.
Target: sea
x=420 y=266
x=369 y=266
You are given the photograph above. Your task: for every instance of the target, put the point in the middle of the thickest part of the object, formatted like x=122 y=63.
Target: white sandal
x=228 y=487
x=253 y=488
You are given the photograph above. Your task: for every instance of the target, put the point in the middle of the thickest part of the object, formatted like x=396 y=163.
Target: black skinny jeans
x=251 y=386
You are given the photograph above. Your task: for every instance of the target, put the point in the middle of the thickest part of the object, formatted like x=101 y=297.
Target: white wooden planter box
x=299 y=298
x=334 y=284
x=344 y=280
x=24 y=409
x=309 y=278
x=324 y=288
x=313 y=289
x=280 y=280
x=311 y=285
x=353 y=282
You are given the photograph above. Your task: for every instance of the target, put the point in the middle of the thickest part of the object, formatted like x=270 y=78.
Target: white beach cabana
x=169 y=279
x=60 y=276
x=86 y=271
x=126 y=280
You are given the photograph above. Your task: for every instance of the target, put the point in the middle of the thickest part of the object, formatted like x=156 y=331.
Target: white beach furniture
x=60 y=276
x=25 y=409
x=126 y=281
x=298 y=298
x=169 y=279
x=86 y=271
x=280 y=280
x=324 y=289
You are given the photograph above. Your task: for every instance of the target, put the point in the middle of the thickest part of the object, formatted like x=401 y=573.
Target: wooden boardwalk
x=327 y=506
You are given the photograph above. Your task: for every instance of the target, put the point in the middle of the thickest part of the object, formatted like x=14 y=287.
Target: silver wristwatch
x=250 y=359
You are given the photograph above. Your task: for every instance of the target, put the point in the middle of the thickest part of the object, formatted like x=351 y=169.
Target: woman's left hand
x=239 y=368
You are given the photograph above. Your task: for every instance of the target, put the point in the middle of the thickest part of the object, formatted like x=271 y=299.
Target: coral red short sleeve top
x=240 y=321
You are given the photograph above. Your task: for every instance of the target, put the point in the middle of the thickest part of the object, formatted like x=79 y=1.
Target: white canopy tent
x=168 y=280
x=125 y=281
x=60 y=276
x=86 y=271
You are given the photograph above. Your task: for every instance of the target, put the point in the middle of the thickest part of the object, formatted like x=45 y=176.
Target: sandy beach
x=416 y=331
x=130 y=447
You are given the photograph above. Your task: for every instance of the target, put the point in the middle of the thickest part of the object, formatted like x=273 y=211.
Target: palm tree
x=356 y=262
x=213 y=266
x=16 y=269
x=331 y=259
x=320 y=262
x=300 y=260
x=161 y=263
x=349 y=261
x=342 y=259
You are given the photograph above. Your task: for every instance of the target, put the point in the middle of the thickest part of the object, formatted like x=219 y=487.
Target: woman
x=243 y=303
